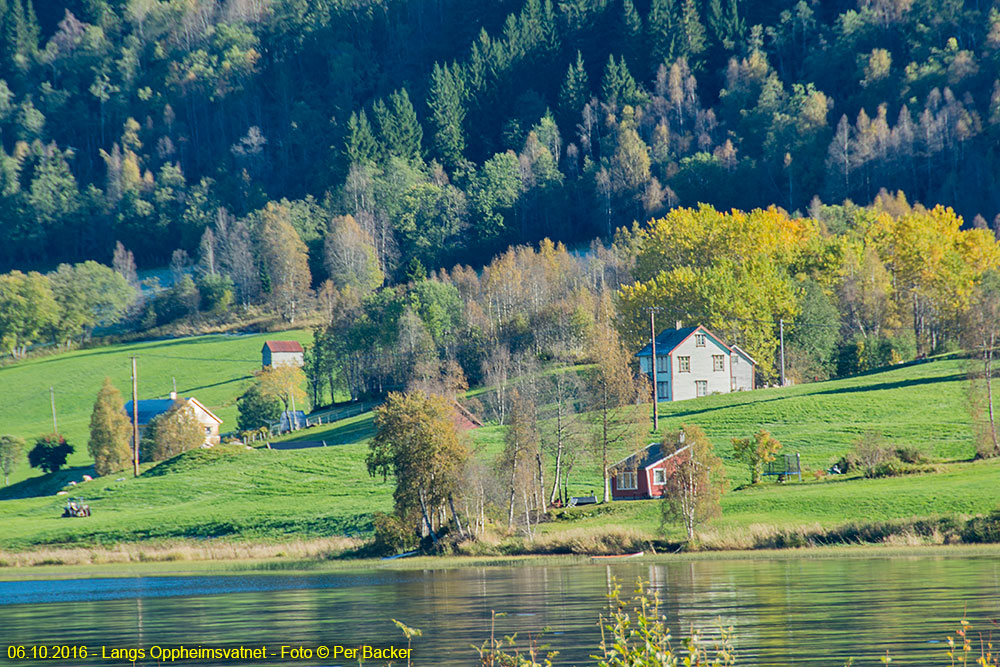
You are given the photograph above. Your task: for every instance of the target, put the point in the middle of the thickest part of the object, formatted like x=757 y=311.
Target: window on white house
x=662 y=389
x=208 y=431
x=662 y=364
x=718 y=362
x=701 y=387
x=644 y=364
x=684 y=364
x=659 y=476
x=626 y=481
x=699 y=340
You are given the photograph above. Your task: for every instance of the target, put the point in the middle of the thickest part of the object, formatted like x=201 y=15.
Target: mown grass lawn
x=205 y=494
x=262 y=494
x=215 y=369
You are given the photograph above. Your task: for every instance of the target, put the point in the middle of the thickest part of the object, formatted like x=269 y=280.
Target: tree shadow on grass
x=49 y=484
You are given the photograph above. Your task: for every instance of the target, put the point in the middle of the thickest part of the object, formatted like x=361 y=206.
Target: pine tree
x=447 y=104
x=360 y=146
x=110 y=432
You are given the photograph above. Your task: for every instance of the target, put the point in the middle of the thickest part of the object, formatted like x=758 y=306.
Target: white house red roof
x=283 y=346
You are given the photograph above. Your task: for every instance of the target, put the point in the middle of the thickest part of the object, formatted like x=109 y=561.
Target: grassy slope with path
x=325 y=491
x=215 y=369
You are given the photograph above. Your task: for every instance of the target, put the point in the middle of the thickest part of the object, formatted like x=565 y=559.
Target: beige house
x=149 y=409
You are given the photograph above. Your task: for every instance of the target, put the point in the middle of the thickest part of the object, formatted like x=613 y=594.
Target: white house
x=692 y=362
x=281 y=353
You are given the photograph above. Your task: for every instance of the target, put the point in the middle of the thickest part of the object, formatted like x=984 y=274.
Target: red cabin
x=644 y=474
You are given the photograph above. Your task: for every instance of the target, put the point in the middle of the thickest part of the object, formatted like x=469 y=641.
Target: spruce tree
x=631 y=33
x=692 y=33
x=447 y=104
x=398 y=125
x=575 y=91
x=661 y=32
x=109 y=431
x=360 y=146
x=618 y=87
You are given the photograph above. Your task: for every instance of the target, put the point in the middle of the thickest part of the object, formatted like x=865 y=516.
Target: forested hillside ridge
x=855 y=288
x=450 y=130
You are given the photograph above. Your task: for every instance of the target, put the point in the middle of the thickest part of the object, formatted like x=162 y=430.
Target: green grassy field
x=215 y=369
x=262 y=494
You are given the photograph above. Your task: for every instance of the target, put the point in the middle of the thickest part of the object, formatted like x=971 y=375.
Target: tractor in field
x=76 y=507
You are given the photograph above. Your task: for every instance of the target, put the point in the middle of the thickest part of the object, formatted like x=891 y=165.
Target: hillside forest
x=446 y=190
x=451 y=130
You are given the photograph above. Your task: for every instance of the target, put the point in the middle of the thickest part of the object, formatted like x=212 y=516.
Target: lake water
x=784 y=611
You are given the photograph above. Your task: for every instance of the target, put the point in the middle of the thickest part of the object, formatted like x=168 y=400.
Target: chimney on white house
x=678 y=324
x=173 y=396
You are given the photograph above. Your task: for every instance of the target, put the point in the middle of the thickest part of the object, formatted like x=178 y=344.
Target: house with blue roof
x=146 y=410
x=692 y=362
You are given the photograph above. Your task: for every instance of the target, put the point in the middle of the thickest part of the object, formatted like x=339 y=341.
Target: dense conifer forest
x=449 y=130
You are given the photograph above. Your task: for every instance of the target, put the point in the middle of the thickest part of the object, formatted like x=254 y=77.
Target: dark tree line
x=450 y=130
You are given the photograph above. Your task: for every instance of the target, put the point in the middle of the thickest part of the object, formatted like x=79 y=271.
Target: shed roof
x=283 y=346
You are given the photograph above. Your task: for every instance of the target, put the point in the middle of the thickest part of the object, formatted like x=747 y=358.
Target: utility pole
x=293 y=425
x=135 y=421
x=52 y=397
x=652 y=364
x=781 y=335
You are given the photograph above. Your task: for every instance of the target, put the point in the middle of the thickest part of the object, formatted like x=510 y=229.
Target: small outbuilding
x=281 y=353
x=644 y=474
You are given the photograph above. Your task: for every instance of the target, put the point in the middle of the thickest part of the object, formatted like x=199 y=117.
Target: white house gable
x=701 y=367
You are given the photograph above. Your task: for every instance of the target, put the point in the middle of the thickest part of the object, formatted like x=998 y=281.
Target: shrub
x=393 y=534
x=982 y=529
x=910 y=455
x=50 y=452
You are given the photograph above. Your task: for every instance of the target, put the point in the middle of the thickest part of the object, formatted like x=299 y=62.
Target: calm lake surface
x=795 y=611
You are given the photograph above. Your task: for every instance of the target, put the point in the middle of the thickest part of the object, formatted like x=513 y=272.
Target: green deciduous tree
x=89 y=294
x=50 y=452
x=755 y=452
x=283 y=383
x=350 y=258
x=417 y=443
x=27 y=310
x=11 y=451
x=695 y=483
x=110 y=431
x=256 y=410
x=612 y=389
x=981 y=333
x=175 y=431
x=287 y=262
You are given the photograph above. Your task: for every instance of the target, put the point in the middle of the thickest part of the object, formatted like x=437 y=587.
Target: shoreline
x=286 y=566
